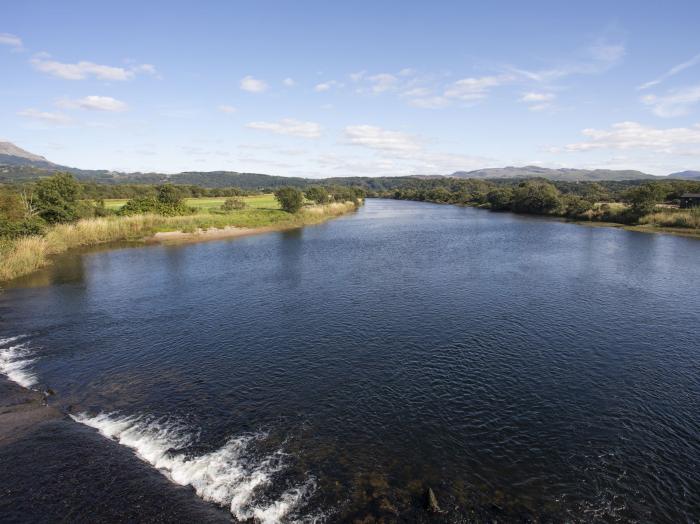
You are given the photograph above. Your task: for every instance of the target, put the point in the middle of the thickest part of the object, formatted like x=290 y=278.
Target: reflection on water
x=524 y=369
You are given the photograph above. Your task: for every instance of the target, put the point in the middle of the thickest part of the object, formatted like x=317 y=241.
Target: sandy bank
x=201 y=235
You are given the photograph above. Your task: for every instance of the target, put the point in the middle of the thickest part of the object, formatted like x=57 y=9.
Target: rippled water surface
x=523 y=368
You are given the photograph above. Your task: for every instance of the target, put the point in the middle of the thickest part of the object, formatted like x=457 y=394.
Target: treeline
x=582 y=200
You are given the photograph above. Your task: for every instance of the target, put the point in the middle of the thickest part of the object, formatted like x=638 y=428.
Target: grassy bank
x=266 y=201
x=27 y=254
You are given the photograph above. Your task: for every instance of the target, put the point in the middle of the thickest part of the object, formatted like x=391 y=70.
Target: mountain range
x=17 y=164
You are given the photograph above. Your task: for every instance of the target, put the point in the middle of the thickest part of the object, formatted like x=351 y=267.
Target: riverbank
x=677 y=222
x=27 y=254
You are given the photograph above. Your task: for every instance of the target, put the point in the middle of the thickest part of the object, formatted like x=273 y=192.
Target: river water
x=522 y=368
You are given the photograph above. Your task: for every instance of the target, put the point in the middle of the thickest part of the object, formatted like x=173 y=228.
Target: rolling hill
x=17 y=165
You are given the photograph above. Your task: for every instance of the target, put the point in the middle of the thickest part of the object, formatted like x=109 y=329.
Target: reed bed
x=27 y=254
x=685 y=218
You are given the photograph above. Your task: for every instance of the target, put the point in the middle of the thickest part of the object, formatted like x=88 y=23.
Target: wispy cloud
x=11 y=40
x=289 y=126
x=382 y=139
x=45 y=116
x=227 y=109
x=83 y=70
x=538 y=101
x=671 y=72
x=597 y=58
x=253 y=85
x=471 y=89
x=676 y=102
x=289 y=82
x=633 y=135
x=327 y=86
x=95 y=103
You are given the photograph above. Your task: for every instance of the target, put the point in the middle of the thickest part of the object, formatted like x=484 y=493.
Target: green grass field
x=255 y=202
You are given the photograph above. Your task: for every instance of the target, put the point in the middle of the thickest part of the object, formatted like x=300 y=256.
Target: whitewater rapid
x=16 y=360
x=228 y=476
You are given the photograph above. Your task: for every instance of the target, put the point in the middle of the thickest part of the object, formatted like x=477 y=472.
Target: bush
x=139 y=206
x=21 y=228
x=290 y=199
x=233 y=204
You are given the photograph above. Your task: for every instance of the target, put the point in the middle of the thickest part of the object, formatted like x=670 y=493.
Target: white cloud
x=289 y=126
x=95 y=103
x=471 y=89
x=383 y=82
x=676 y=102
x=633 y=135
x=148 y=69
x=253 y=85
x=671 y=72
x=326 y=86
x=537 y=97
x=45 y=116
x=289 y=82
x=382 y=139
x=227 y=109
x=538 y=101
x=11 y=40
x=82 y=70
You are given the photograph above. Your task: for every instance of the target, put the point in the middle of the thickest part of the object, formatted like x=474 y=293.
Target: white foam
x=226 y=476
x=15 y=362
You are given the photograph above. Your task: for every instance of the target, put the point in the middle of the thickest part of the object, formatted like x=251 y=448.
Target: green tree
x=170 y=195
x=500 y=199
x=575 y=206
x=290 y=199
x=643 y=199
x=57 y=198
x=318 y=194
x=535 y=196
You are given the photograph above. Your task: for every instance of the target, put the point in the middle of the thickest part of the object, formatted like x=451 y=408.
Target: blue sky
x=354 y=88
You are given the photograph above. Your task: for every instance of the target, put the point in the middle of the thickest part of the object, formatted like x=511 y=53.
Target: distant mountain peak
x=9 y=149
x=569 y=174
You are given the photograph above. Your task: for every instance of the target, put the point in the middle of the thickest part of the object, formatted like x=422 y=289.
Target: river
x=522 y=368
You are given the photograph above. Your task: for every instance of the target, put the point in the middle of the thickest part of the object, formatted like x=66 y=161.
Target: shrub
x=233 y=203
x=21 y=228
x=139 y=206
x=290 y=199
